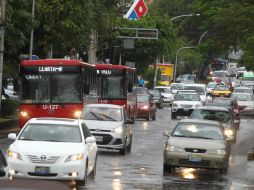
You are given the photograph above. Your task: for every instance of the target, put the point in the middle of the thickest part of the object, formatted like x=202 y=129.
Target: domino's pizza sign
x=137 y=10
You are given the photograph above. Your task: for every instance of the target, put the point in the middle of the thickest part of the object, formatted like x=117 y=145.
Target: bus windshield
x=58 y=88
x=113 y=87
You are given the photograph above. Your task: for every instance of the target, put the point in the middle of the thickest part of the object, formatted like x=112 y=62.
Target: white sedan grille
x=43 y=159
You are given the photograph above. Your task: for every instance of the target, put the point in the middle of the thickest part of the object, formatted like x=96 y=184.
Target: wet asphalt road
x=142 y=168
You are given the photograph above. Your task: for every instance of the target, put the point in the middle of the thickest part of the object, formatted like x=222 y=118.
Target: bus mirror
x=129 y=87
x=86 y=88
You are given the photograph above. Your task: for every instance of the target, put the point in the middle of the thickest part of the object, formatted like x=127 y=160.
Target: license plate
x=194 y=158
x=98 y=138
x=186 y=109
x=42 y=170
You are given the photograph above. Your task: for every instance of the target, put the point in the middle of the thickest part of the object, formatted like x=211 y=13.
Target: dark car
x=146 y=107
x=222 y=115
x=3 y=164
x=230 y=103
x=157 y=97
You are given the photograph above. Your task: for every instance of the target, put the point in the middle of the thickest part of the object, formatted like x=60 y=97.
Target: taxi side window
x=86 y=131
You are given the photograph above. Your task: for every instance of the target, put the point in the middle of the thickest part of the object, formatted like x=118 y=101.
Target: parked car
x=245 y=102
x=157 y=97
x=166 y=92
x=110 y=126
x=146 y=107
x=221 y=91
x=199 y=88
x=185 y=102
x=196 y=144
x=222 y=115
x=53 y=148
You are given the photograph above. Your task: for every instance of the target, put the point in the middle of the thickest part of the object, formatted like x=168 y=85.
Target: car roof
x=103 y=106
x=211 y=107
x=51 y=120
x=200 y=121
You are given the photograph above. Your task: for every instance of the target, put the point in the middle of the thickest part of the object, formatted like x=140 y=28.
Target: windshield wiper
x=181 y=136
x=26 y=139
x=96 y=116
x=112 y=119
x=199 y=137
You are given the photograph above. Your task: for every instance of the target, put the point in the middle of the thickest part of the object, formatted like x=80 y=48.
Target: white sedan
x=53 y=148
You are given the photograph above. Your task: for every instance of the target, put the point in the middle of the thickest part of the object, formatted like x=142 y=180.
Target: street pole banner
x=137 y=10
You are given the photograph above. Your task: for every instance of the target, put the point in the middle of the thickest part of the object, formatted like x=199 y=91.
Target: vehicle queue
x=196 y=142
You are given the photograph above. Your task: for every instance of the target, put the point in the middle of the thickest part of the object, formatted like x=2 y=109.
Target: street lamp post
x=184 y=16
x=32 y=33
x=175 y=65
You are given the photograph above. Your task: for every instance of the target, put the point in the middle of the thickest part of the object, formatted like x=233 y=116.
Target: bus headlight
x=24 y=114
x=77 y=114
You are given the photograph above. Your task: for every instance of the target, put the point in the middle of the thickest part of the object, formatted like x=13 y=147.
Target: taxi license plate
x=194 y=158
x=98 y=138
x=42 y=170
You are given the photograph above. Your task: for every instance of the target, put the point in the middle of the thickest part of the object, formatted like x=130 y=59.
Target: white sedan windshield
x=53 y=133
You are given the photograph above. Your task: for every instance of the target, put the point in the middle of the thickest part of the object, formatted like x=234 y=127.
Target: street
x=142 y=168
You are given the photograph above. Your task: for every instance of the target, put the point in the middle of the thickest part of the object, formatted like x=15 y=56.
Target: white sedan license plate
x=194 y=158
x=98 y=138
x=42 y=170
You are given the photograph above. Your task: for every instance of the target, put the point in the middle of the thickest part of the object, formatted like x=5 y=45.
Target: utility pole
x=2 y=22
x=155 y=73
x=32 y=33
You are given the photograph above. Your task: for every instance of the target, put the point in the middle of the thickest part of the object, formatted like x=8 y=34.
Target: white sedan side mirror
x=12 y=136
x=90 y=140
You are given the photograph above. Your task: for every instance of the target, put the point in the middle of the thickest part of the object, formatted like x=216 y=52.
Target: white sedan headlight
x=74 y=157
x=118 y=130
x=217 y=151
x=14 y=155
x=174 y=149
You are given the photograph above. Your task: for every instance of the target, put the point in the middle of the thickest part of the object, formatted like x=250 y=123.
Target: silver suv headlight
x=118 y=130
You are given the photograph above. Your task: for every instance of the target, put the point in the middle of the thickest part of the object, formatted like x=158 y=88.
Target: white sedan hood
x=43 y=147
x=106 y=125
x=167 y=95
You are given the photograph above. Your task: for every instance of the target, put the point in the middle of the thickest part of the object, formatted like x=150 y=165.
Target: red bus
x=55 y=88
x=115 y=86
